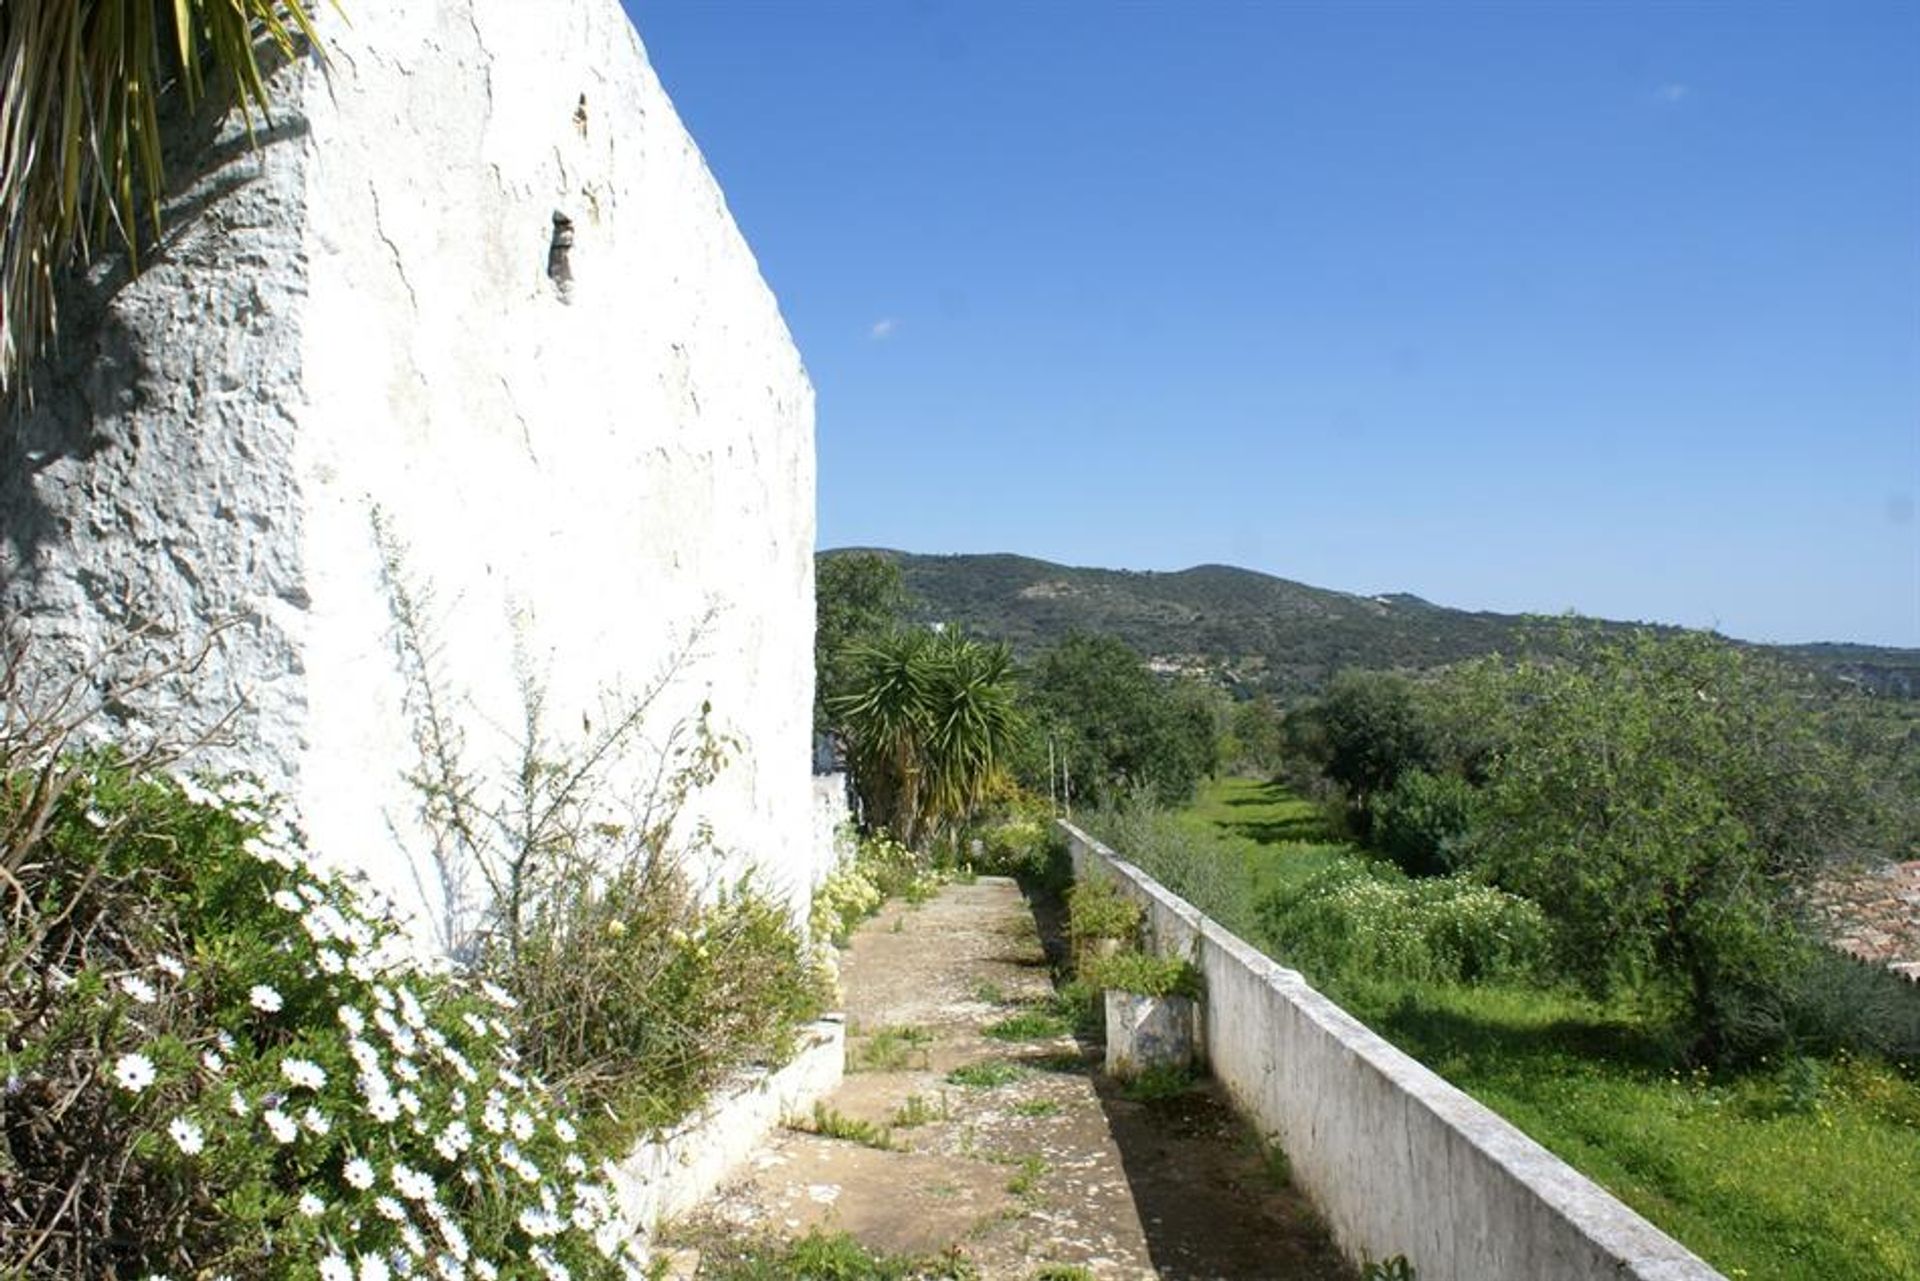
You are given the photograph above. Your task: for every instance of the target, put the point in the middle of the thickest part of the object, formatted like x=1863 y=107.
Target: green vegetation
x=823 y=1256
x=1144 y=975
x=1802 y=1166
x=917 y=1111
x=893 y=1049
x=930 y=723
x=988 y=1075
x=1025 y=1183
x=210 y=1044
x=1114 y=727
x=1036 y=1107
x=859 y=597
x=833 y=1124
x=1096 y=909
x=1254 y=633
x=81 y=124
x=1063 y=1272
x=1158 y=1083
x=1030 y=1025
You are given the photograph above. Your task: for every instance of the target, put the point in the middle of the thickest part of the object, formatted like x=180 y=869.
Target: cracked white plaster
x=359 y=317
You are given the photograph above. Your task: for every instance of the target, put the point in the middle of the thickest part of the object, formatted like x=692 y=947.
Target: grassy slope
x=1758 y=1186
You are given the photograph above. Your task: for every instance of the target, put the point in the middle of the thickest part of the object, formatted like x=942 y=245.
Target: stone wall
x=596 y=472
x=1397 y=1161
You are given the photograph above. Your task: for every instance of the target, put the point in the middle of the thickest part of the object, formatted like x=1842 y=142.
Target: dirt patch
x=1009 y=1151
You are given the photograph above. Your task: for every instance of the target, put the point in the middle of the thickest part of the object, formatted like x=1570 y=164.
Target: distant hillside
x=1257 y=631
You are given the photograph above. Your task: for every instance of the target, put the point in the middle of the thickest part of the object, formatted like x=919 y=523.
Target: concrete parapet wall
x=1399 y=1162
x=667 y=1176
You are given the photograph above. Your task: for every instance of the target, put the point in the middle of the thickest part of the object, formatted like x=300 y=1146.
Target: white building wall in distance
x=478 y=290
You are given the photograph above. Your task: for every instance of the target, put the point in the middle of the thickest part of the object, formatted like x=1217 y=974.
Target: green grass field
x=1808 y=1170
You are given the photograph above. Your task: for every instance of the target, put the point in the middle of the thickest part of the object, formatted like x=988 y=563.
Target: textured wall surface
x=1396 y=1160
x=359 y=322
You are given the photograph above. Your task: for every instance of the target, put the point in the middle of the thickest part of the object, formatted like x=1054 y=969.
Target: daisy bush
x=219 y=1060
x=1373 y=920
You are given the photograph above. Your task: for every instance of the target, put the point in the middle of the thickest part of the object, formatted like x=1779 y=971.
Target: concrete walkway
x=1013 y=1156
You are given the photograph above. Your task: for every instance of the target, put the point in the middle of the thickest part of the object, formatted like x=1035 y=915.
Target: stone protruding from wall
x=1396 y=1160
x=477 y=285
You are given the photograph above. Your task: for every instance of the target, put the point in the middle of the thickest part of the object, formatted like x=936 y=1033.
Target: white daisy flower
x=374 y=1268
x=264 y=999
x=303 y=1074
x=281 y=1125
x=388 y=1208
x=521 y=1125
x=383 y=1109
x=138 y=988
x=564 y=1128
x=312 y=1206
x=237 y=1104
x=336 y=1268
x=414 y=1185
x=133 y=1072
x=316 y=1121
x=288 y=901
x=358 y=1173
x=352 y=1020
x=212 y=1062
x=187 y=1136
x=330 y=962
x=170 y=965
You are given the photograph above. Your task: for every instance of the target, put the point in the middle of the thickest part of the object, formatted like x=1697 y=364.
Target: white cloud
x=883 y=329
x=1672 y=94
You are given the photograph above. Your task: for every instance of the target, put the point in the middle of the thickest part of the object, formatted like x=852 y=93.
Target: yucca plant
x=81 y=83
x=929 y=722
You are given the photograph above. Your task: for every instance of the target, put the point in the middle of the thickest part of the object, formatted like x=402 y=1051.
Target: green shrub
x=1097 y=910
x=219 y=1059
x=639 y=999
x=1362 y=920
x=1421 y=821
x=881 y=868
x=1145 y=975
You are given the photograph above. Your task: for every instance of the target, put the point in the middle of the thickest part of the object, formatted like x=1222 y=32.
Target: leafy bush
x=1156 y=840
x=1421 y=821
x=219 y=1059
x=1373 y=921
x=639 y=999
x=1144 y=975
x=1096 y=909
x=881 y=868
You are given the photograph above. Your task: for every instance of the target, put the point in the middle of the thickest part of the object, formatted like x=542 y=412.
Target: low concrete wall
x=1397 y=1160
x=665 y=1177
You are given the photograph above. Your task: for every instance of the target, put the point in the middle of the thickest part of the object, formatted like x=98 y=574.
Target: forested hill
x=1255 y=630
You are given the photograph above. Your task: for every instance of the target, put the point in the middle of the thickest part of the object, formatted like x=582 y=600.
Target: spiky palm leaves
x=80 y=139
x=929 y=724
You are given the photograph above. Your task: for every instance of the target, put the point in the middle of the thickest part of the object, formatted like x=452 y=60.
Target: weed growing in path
x=986 y=1076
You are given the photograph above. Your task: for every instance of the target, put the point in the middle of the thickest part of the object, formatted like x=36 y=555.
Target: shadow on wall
x=94 y=367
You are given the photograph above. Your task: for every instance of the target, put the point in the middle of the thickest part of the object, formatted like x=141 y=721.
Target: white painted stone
x=359 y=317
x=667 y=1176
x=1148 y=1033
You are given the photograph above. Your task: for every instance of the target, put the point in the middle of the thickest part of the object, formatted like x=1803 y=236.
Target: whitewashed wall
x=360 y=318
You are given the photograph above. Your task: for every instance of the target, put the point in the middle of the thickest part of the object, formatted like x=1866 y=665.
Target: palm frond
x=81 y=83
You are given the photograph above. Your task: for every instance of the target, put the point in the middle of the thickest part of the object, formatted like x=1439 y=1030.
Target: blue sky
x=1608 y=307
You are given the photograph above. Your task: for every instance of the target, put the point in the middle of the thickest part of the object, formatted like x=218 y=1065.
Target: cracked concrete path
x=1010 y=1152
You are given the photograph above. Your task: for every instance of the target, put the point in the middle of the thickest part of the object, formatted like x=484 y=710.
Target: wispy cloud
x=883 y=329
x=1672 y=94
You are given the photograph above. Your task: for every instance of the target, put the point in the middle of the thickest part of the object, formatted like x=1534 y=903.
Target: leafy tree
x=80 y=131
x=1422 y=821
x=1253 y=742
x=1116 y=726
x=1665 y=799
x=931 y=720
x=859 y=597
x=1371 y=729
